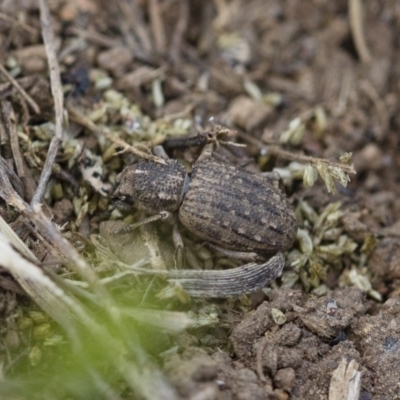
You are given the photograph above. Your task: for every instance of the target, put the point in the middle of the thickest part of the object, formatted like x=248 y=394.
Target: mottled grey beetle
x=242 y=214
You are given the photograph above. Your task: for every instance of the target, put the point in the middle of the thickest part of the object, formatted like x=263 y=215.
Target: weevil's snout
x=120 y=197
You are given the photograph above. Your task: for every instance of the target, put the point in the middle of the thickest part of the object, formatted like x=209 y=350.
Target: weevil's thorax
x=151 y=187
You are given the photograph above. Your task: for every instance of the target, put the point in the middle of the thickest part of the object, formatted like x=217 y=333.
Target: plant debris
x=307 y=91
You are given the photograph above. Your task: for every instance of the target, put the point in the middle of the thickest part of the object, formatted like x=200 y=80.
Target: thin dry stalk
x=23 y=93
x=11 y=128
x=346 y=85
x=368 y=88
x=291 y=156
x=131 y=10
x=78 y=117
x=56 y=90
x=357 y=29
x=180 y=29
x=157 y=26
x=20 y=24
x=95 y=37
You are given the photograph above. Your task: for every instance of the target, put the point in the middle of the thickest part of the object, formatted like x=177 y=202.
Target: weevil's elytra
x=229 y=207
x=237 y=210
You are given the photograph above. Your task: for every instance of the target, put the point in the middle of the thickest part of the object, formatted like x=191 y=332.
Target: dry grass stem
x=58 y=98
x=290 y=156
x=80 y=118
x=357 y=29
x=134 y=16
x=11 y=128
x=20 y=24
x=180 y=29
x=157 y=26
x=23 y=93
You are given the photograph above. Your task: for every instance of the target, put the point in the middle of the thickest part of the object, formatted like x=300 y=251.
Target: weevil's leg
x=207 y=152
x=273 y=177
x=238 y=255
x=162 y=216
x=178 y=243
x=160 y=152
x=185 y=142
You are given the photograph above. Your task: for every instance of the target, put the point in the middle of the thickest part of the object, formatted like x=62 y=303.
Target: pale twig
x=23 y=25
x=368 y=88
x=157 y=26
x=80 y=118
x=23 y=93
x=181 y=26
x=357 y=30
x=134 y=15
x=56 y=90
x=291 y=156
x=11 y=128
x=347 y=80
x=95 y=37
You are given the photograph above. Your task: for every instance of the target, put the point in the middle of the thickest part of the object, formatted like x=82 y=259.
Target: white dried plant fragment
x=297 y=169
x=132 y=119
x=310 y=176
x=253 y=90
x=296 y=259
x=332 y=173
x=346 y=381
x=235 y=51
x=326 y=176
x=321 y=121
x=329 y=217
x=305 y=241
x=339 y=175
x=331 y=307
x=278 y=316
x=170 y=321
x=99 y=114
x=294 y=133
x=308 y=212
x=355 y=278
x=158 y=95
x=91 y=169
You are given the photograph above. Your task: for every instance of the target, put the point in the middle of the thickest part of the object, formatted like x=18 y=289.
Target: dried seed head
x=346 y=158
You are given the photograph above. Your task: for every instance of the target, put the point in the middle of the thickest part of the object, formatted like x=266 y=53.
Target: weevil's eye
x=128 y=200
x=123 y=202
x=116 y=184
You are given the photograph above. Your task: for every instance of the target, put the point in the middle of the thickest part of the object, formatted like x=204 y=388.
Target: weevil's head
x=150 y=187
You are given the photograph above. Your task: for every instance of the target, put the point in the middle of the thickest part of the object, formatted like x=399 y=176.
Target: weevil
x=242 y=214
